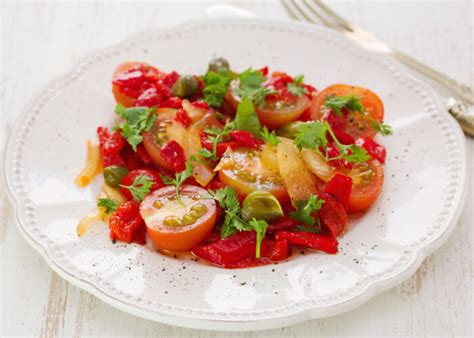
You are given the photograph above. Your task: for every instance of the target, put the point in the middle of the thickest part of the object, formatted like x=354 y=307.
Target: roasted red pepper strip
x=183 y=118
x=340 y=187
x=282 y=223
x=309 y=240
x=373 y=148
x=127 y=225
x=229 y=250
x=279 y=250
x=244 y=138
x=332 y=215
x=172 y=102
x=173 y=154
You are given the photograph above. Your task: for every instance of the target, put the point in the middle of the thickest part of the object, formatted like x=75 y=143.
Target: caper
x=114 y=174
x=218 y=64
x=261 y=204
x=185 y=86
x=172 y=221
x=290 y=129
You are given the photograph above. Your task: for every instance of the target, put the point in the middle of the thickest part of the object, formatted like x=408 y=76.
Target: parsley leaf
x=179 y=179
x=314 y=136
x=260 y=227
x=140 y=187
x=250 y=86
x=246 y=117
x=350 y=102
x=137 y=119
x=270 y=138
x=305 y=209
x=295 y=87
x=108 y=204
x=215 y=88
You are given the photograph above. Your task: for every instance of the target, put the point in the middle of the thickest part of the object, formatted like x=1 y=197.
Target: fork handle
x=462 y=91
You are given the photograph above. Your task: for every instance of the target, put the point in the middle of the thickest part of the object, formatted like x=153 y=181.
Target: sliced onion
x=268 y=157
x=92 y=167
x=317 y=164
x=299 y=181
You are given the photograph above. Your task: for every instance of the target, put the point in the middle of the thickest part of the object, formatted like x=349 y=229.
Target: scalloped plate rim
x=309 y=312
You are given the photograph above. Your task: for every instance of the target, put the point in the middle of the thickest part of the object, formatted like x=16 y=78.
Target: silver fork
x=459 y=102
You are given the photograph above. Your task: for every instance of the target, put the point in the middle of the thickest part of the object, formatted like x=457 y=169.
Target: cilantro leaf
x=350 y=102
x=233 y=222
x=216 y=85
x=137 y=119
x=313 y=229
x=314 y=136
x=215 y=135
x=353 y=104
x=260 y=227
x=270 y=138
x=140 y=187
x=179 y=179
x=108 y=204
x=250 y=86
x=246 y=117
x=295 y=87
x=305 y=209
x=381 y=128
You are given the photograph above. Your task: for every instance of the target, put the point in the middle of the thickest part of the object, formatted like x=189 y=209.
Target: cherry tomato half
x=367 y=182
x=178 y=226
x=130 y=79
x=242 y=169
x=275 y=112
x=356 y=126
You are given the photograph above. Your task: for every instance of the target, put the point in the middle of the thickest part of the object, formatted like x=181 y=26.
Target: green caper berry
x=218 y=64
x=114 y=174
x=261 y=204
x=290 y=129
x=185 y=86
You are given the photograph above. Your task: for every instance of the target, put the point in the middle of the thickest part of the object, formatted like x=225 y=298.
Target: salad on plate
x=239 y=169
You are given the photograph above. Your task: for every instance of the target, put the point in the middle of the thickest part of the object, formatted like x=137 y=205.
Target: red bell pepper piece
x=127 y=225
x=244 y=138
x=279 y=250
x=110 y=146
x=283 y=222
x=340 y=187
x=173 y=154
x=183 y=118
x=128 y=181
x=309 y=240
x=172 y=102
x=332 y=215
x=375 y=150
x=200 y=104
x=230 y=249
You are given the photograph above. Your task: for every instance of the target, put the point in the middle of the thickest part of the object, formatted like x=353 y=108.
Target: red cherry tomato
x=358 y=125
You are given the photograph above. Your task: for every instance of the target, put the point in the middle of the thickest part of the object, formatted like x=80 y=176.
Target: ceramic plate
x=424 y=188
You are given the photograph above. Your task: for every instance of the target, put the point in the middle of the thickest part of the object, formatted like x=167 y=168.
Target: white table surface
x=40 y=41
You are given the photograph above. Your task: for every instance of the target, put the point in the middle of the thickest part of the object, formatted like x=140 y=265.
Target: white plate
x=425 y=179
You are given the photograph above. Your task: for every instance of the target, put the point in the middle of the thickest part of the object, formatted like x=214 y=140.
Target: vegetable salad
x=237 y=168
